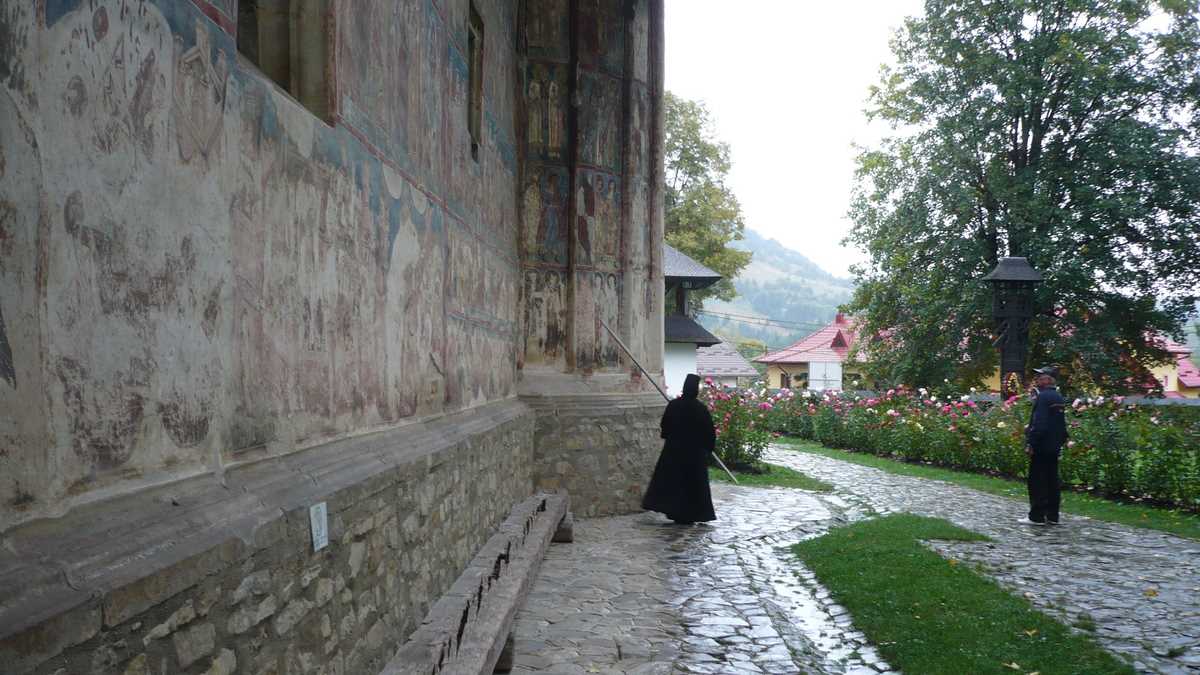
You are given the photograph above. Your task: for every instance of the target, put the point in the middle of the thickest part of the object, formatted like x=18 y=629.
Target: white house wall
x=679 y=360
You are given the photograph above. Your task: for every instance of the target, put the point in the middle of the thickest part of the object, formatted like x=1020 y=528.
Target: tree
x=751 y=349
x=1060 y=130
x=702 y=215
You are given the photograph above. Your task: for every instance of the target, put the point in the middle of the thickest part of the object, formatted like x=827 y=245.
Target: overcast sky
x=786 y=82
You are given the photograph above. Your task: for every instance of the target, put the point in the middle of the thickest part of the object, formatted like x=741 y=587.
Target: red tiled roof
x=831 y=343
x=1163 y=342
x=1176 y=348
x=1189 y=375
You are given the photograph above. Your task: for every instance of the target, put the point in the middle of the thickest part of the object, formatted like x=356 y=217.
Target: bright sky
x=786 y=82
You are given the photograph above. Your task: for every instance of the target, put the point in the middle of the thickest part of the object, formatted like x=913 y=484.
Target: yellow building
x=1180 y=378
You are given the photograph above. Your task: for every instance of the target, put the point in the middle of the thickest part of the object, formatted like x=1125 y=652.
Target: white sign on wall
x=318 y=518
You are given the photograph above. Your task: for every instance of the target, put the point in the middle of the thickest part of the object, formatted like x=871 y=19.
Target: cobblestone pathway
x=1141 y=587
x=637 y=594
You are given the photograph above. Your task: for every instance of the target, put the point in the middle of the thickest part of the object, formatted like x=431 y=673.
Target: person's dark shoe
x=1027 y=521
x=1052 y=521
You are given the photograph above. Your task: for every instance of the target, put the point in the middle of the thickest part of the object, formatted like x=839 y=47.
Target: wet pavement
x=1140 y=588
x=637 y=594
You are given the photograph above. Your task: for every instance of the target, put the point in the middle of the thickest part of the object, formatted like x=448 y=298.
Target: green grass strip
x=1179 y=523
x=774 y=476
x=927 y=614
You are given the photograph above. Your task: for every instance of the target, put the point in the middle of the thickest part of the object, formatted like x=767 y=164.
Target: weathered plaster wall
x=195 y=270
x=589 y=252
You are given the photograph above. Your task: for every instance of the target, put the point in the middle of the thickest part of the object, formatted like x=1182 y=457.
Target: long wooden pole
x=660 y=389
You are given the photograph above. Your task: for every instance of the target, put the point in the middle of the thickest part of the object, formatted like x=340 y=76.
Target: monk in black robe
x=679 y=488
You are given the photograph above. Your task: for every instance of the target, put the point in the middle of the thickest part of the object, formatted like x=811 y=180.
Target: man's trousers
x=1044 y=488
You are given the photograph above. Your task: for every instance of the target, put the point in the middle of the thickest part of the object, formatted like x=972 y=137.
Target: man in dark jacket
x=1044 y=438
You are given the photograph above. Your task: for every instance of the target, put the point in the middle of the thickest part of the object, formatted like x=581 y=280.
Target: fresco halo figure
x=679 y=487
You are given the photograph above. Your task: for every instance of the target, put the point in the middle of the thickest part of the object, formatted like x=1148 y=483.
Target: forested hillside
x=782 y=285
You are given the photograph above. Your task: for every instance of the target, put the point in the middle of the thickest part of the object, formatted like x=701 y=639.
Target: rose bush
x=740 y=418
x=1116 y=449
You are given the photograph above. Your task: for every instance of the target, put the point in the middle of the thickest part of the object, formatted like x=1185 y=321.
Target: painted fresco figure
x=535 y=116
x=585 y=220
x=607 y=227
x=606 y=140
x=552 y=235
x=679 y=487
x=556 y=121
x=612 y=309
x=1044 y=438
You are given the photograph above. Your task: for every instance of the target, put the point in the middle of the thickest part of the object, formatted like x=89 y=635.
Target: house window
x=783 y=380
x=475 y=81
x=287 y=40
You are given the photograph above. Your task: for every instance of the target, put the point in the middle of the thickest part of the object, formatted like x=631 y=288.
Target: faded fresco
x=545 y=213
x=598 y=219
x=602 y=35
x=599 y=129
x=547 y=29
x=546 y=112
x=598 y=296
x=195 y=270
x=375 y=86
x=585 y=202
x=545 y=299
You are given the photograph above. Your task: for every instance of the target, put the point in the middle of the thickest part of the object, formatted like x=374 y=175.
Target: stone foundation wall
x=601 y=448
x=212 y=578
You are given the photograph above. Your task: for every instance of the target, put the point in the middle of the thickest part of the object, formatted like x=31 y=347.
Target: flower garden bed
x=1119 y=450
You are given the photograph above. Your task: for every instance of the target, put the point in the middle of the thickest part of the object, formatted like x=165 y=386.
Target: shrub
x=1115 y=449
x=741 y=426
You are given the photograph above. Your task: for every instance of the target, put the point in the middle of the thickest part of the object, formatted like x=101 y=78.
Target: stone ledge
x=466 y=630
x=63 y=580
x=599 y=404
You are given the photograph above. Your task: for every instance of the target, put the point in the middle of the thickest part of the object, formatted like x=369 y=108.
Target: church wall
x=591 y=237
x=586 y=226
x=197 y=271
x=218 y=308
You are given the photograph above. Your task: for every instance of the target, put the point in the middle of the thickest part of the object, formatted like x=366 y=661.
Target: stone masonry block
x=194 y=643
x=24 y=651
x=292 y=614
x=224 y=664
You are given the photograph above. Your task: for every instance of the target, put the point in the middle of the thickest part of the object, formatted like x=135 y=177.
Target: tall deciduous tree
x=1060 y=130
x=702 y=215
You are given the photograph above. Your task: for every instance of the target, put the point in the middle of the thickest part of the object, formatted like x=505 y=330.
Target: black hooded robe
x=679 y=487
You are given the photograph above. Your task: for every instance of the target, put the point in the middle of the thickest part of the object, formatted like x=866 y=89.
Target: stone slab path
x=637 y=594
